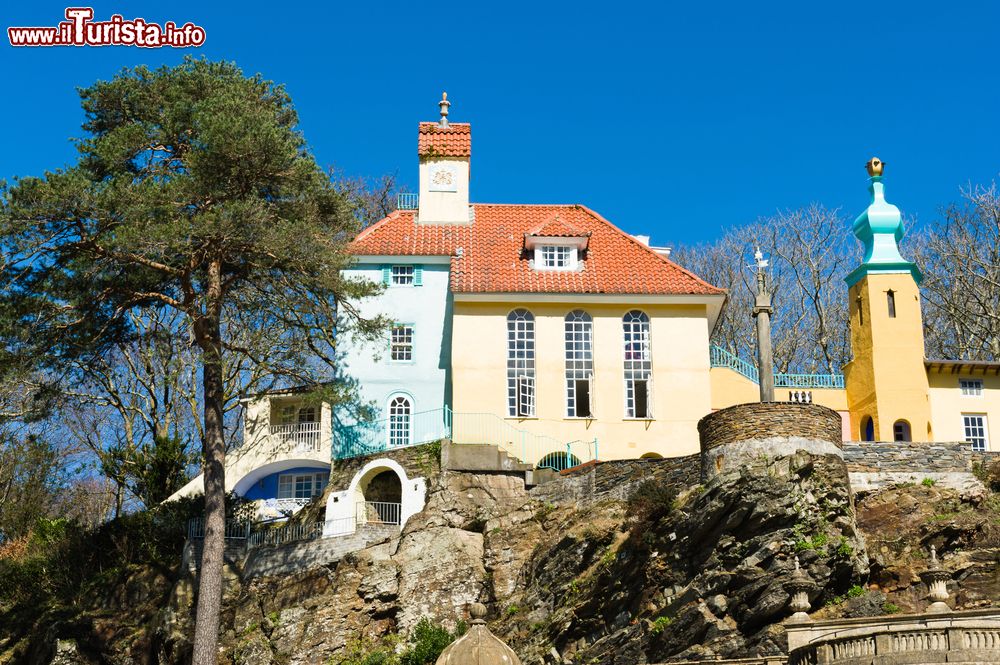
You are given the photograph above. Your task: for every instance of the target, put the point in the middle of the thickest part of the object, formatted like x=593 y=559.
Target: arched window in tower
x=400 y=412
x=520 y=363
x=638 y=365
x=901 y=431
x=867 y=429
x=579 y=334
x=890 y=297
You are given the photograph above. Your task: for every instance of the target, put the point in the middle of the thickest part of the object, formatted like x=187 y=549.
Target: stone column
x=765 y=358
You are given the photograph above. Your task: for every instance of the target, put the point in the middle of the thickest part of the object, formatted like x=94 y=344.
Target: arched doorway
x=558 y=461
x=867 y=429
x=400 y=421
x=651 y=456
x=380 y=497
x=901 y=431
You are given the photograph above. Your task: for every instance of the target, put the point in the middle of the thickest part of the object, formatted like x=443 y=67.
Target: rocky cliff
x=641 y=567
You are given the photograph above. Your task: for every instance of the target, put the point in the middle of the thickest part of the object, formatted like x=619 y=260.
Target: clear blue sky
x=670 y=120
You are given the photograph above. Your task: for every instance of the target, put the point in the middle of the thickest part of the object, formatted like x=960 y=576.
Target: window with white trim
x=971 y=387
x=579 y=336
x=401 y=342
x=555 y=257
x=292 y=414
x=301 y=485
x=976 y=430
x=638 y=365
x=520 y=363
x=400 y=421
x=401 y=276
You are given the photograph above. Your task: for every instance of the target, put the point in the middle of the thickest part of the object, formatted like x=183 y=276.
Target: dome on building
x=478 y=646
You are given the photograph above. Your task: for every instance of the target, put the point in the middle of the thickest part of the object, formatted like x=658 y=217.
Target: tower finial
x=444 y=104
x=875 y=166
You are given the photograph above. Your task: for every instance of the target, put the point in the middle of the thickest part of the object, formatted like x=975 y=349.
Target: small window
x=402 y=276
x=307 y=414
x=556 y=257
x=975 y=430
x=890 y=297
x=401 y=343
x=901 y=431
x=971 y=387
x=289 y=415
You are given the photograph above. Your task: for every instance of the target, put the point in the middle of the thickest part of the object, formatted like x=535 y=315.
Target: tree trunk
x=206 y=632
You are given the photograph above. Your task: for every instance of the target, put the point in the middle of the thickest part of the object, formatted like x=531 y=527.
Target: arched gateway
x=380 y=492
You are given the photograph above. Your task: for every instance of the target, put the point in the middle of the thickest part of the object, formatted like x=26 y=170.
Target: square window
x=971 y=387
x=975 y=429
x=556 y=257
x=402 y=276
x=401 y=343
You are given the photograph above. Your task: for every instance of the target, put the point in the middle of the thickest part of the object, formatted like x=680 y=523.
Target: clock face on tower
x=443 y=178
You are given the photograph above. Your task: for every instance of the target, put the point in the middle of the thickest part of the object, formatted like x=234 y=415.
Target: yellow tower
x=887 y=392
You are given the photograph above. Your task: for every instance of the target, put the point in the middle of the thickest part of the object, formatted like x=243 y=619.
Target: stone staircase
x=488 y=458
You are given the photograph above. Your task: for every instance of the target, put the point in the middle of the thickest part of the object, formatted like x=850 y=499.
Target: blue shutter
x=387 y=275
x=418 y=275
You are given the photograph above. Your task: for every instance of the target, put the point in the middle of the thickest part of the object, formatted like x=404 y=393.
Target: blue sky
x=670 y=119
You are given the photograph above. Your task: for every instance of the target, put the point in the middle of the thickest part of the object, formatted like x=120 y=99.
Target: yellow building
x=889 y=391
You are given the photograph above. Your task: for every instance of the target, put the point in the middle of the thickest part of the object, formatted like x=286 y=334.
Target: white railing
x=379 y=512
x=300 y=437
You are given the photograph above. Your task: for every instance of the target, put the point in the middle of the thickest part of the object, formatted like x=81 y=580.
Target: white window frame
x=578 y=337
x=636 y=335
x=290 y=483
x=968 y=430
x=402 y=275
x=404 y=342
x=399 y=436
x=562 y=257
x=520 y=364
x=971 y=387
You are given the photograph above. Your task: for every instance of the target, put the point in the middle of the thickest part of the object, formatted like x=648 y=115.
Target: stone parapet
x=916 y=639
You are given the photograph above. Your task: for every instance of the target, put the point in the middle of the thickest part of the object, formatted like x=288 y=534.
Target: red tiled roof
x=493 y=259
x=455 y=140
x=556 y=227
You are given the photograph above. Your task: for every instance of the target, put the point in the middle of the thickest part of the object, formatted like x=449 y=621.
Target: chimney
x=445 y=150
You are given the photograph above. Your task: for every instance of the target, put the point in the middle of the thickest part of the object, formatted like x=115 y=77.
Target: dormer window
x=555 y=257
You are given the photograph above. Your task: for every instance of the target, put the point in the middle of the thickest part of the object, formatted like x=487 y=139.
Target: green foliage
x=856 y=591
x=651 y=500
x=544 y=511
x=844 y=548
x=32 y=476
x=427 y=641
x=890 y=608
x=159 y=469
x=512 y=610
x=659 y=624
x=815 y=542
x=927 y=482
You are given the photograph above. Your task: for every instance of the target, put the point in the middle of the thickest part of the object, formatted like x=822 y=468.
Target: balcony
x=407 y=201
x=297 y=437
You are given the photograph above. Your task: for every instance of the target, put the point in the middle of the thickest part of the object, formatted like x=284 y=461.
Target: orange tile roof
x=455 y=140
x=493 y=258
x=556 y=227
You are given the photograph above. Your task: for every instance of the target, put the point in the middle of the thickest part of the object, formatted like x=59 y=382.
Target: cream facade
x=965 y=401
x=680 y=390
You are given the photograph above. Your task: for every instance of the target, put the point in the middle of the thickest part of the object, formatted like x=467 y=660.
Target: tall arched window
x=638 y=365
x=579 y=364
x=400 y=412
x=520 y=363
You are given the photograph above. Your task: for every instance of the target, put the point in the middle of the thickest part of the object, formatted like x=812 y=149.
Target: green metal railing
x=720 y=357
x=407 y=201
x=368 y=438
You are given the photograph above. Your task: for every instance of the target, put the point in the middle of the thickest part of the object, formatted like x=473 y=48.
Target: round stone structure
x=739 y=434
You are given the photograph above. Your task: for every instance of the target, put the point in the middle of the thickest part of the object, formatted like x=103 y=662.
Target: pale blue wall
x=428 y=307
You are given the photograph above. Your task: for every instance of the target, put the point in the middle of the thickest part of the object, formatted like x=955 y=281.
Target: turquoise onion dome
x=880 y=228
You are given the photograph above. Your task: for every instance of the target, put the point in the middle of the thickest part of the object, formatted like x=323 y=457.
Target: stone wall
x=876 y=465
x=303 y=555
x=767 y=420
x=599 y=481
x=423 y=460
